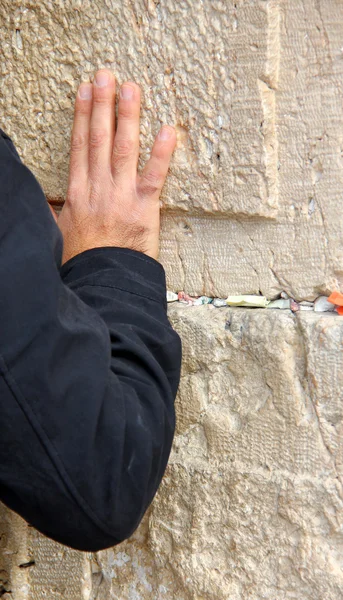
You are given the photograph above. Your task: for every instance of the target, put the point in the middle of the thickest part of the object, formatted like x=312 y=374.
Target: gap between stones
x=285 y=302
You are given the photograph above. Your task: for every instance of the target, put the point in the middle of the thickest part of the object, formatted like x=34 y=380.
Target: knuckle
x=79 y=142
x=82 y=108
x=122 y=151
x=97 y=137
x=125 y=112
x=102 y=96
x=161 y=153
x=124 y=146
x=151 y=183
x=74 y=192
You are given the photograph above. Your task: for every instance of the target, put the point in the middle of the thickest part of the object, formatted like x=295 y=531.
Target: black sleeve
x=89 y=370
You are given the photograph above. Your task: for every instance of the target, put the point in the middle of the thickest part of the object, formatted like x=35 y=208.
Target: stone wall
x=251 y=504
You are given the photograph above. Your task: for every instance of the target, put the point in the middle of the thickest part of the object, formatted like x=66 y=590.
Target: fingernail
x=165 y=134
x=102 y=78
x=126 y=92
x=85 y=91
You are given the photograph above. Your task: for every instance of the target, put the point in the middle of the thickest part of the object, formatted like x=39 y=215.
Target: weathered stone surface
x=251 y=506
x=220 y=258
x=252 y=503
x=14 y=534
x=254 y=89
x=202 y=71
x=33 y=567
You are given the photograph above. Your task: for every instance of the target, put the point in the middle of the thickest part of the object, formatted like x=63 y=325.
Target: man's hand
x=108 y=203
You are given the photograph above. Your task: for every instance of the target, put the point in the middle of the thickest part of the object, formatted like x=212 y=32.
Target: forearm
x=93 y=364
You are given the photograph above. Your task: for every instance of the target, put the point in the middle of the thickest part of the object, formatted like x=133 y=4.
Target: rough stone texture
x=254 y=88
x=251 y=506
x=252 y=503
x=33 y=567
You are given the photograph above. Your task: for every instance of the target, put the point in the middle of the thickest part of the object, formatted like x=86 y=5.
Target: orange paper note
x=336 y=298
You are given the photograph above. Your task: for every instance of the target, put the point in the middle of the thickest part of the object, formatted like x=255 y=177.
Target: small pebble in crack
x=19 y=41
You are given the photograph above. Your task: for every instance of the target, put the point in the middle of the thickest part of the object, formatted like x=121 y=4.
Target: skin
x=108 y=202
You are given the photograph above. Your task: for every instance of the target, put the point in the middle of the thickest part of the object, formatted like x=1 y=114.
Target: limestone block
x=219 y=257
x=202 y=70
x=33 y=567
x=251 y=505
x=13 y=555
x=253 y=88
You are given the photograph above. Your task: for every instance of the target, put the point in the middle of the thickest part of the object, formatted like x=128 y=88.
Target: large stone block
x=251 y=505
x=201 y=66
x=253 y=88
x=33 y=567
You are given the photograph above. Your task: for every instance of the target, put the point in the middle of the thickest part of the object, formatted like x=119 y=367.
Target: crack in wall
x=268 y=84
x=310 y=389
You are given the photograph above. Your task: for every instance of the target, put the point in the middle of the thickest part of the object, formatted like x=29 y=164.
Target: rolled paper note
x=171 y=297
x=281 y=303
x=252 y=301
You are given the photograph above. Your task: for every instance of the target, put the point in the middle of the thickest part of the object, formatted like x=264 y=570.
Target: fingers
x=154 y=174
x=101 y=132
x=126 y=142
x=95 y=146
x=80 y=134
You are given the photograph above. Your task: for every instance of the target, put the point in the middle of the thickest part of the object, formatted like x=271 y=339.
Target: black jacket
x=89 y=370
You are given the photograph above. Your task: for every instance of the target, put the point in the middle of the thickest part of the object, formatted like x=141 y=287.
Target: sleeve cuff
x=120 y=268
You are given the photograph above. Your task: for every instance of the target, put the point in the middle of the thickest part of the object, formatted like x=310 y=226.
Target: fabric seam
x=155 y=264
x=114 y=287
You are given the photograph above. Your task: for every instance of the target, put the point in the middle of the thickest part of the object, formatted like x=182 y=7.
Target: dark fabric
x=89 y=370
